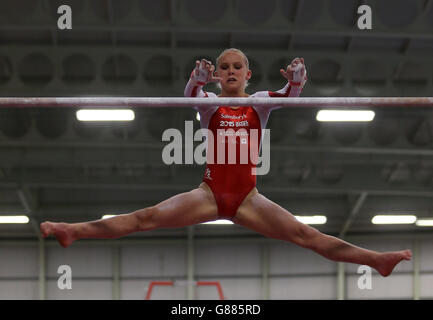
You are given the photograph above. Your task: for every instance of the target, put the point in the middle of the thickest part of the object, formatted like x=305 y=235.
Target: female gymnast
x=229 y=190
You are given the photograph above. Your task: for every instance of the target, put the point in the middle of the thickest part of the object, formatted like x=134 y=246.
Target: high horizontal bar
x=152 y=102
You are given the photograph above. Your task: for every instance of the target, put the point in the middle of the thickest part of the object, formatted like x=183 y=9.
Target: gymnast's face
x=234 y=73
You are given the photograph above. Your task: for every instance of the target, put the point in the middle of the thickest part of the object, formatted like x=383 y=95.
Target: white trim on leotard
x=206 y=112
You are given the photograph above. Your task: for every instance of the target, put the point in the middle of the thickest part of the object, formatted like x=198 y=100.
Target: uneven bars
x=151 y=102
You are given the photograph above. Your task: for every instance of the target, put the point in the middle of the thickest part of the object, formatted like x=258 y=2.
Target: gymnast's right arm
x=202 y=74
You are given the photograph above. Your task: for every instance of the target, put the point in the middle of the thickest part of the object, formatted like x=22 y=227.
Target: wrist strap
x=200 y=83
x=298 y=84
x=295 y=84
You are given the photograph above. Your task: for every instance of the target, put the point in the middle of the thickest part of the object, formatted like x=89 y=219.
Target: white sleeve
x=287 y=91
x=194 y=90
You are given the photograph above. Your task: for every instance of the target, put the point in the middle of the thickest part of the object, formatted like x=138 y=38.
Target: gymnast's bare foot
x=61 y=231
x=388 y=260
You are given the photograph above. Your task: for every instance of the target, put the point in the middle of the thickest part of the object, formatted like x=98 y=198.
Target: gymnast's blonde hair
x=247 y=63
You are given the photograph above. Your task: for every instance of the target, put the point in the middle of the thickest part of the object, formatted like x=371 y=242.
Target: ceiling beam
x=421 y=35
x=356 y=208
x=266 y=188
x=159 y=146
x=110 y=15
x=53 y=32
x=30 y=205
x=427 y=5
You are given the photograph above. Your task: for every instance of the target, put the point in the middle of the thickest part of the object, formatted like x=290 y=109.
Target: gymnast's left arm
x=296 y=75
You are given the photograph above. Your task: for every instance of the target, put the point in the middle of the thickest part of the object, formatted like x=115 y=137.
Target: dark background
x=53 y=167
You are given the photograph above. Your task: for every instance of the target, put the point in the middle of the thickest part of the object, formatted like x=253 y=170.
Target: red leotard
x=231 y=182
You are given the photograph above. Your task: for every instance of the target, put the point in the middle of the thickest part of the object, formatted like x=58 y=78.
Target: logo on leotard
x=207 y=174
x=224 y=123
x=229 y=116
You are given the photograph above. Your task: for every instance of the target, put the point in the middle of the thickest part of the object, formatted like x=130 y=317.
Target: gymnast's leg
x=184 y=209
x=266 y=217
